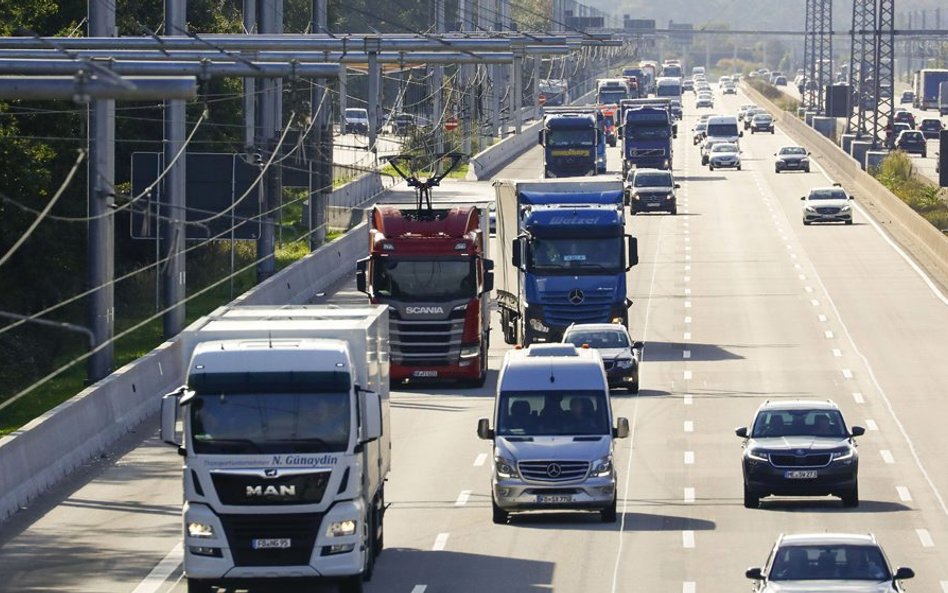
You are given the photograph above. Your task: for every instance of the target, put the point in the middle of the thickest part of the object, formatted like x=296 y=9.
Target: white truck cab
x=553 y=433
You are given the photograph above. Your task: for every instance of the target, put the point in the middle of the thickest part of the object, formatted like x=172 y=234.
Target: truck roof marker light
x=616 y=320
x=340 y=365
x=518 y=347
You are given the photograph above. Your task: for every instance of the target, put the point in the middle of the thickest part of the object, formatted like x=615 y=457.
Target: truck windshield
x=552 y=413
x=603 y=255
x=253 y=423
x=611 y=96
x=564 y=138
x=647 y=130
x=424 y=280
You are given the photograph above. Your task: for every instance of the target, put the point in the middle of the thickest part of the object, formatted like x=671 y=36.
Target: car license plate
x=421 y=374
x=554 y=499
x=801 y=475
x=270 y=543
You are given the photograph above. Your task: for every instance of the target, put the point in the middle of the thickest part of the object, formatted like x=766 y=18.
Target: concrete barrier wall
x=928 y=244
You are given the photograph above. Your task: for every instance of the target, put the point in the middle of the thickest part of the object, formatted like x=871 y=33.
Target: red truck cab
x=609 y=115
x=430 y=267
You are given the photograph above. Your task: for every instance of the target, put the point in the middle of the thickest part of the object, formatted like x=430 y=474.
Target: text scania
x=282 y=490
x=424 y=310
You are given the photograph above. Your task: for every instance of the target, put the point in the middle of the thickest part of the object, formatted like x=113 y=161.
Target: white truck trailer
x=283 y=424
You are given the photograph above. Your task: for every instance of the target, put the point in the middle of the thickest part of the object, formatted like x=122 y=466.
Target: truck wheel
x=751 y=499
x=609 y=514
x=500 y=515
x=196 y=586
x=380 y=522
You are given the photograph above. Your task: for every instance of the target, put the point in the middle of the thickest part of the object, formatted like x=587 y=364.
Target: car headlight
x=846 y=208
x=602 y=467
x=758 y=455
x=505 y=468
x=470 y=351
x=804 y=160
x=196 y=529
x=809 y=208
x=624 y=363
x=342 y=528
x=843 y=454
x=669 y=196
x=537 y=325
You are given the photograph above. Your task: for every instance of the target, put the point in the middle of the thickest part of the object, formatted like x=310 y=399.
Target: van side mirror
x=371 y=416
x=638 y=345
x=740 y=134
x=754 y=574
x=741 y=432
x=361 y=267
x=633 y=252
x=677 y=186
x=902 y=573
x=484 y=430
x=621 y=431
x=857 y=431
x=802 y=198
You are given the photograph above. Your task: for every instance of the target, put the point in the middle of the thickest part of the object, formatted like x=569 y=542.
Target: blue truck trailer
x=574 y=142
x=563 y=257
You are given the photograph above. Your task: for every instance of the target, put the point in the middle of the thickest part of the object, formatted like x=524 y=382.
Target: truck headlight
x=196 y=529
x=843 y=454
x=624 y=363
x=470 y=351
x=505 y=468
x=602 y=467
x=341 y=528
x=537 y=325
x=758 y=455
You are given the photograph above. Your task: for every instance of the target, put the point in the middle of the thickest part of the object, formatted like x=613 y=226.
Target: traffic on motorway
x=552 y=337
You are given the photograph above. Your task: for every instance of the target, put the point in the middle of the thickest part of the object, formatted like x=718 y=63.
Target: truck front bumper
x=465 y=369
x=517 y=495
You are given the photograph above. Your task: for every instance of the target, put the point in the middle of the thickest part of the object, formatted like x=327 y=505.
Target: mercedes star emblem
x=576 y=296
x=554 y=470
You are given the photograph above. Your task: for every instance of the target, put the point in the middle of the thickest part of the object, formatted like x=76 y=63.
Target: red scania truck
x=431 y=267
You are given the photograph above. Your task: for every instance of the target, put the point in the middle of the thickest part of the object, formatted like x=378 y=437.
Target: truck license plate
x=554 y=499
x=801 y=475
x=421 y=374
x=270 y=543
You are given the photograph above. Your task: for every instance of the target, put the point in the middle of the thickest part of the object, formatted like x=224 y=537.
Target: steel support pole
x=437 y=84
x=101 y=231
x=464 y=83
x=320 y=161
x=174 y=194
x=375 y=84
x=516 y=95
x=271 y=122
x=250 y=88
x=343 y=97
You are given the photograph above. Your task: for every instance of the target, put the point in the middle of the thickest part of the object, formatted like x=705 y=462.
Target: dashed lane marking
x=480 y=459
x=925 y=538
x=463 y=497
x=689 y=495
x=859 y=399
x=887 y=456
x=689 y=426
x=689 y=457
x=904 y=494
x=688 y=539
x=871 y=425
x=440 y=542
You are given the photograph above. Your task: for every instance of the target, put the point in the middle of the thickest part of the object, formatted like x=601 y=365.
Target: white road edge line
x=925 y=538
x=441 y=542
x=160 y=573
x=944 y=586
x=480 y=459
x=463 y=497
x=419 y=589
x=689 y=457
x=689 y=587
x=689 y=495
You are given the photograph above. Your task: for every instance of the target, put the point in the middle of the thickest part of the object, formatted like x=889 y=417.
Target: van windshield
x=723 y=129
x=552 y=413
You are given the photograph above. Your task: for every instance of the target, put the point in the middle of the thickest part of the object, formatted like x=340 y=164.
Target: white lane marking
x=687 y=267
x=837 y=353
x=440 y=542
x=689 y=457
x=687 y=375
x=944 y=586
x=686 y=336
x=829 y=334
x=802 y=276
x=686 y=354
x=687 y=319
x=822 y=318
x=689 y=426
x=871 y=424
x=687 y=278
x=689 y=587
x=160 y=573
x=887 y=456
x=858 y=397
x=463 y=497
x=847 y=374
x=419 y=589
x=687 y=292
x=925 y=538
x=814 y=302
x=480 y=459
x=687 y=258
x=687 y=247
x=793 y=256
x=689 y=495
x=687 y=239
x=687 y=304
x=688 y=539
x=808 y=288
x=904 y=494
x=634 y=421
x=689 y=399
x=797 y=267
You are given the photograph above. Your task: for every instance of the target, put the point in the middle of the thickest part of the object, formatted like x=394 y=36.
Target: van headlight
x=342 y=528
x=505 y=468
x=602 y=467
x=198 y=529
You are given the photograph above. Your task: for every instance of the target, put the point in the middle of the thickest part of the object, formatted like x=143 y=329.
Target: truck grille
x=553 y=471
x=240 y=490
x=426 y=342
x=559 y=312
x=300 y=529
x=812 y=460
x=634 y=152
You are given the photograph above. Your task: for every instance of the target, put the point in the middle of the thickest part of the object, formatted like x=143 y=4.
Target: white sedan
x=724 y=155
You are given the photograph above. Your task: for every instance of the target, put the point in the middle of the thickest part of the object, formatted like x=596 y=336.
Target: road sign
x=451 y=123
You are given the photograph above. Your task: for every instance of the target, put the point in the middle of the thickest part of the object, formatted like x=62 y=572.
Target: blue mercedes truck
x=573 y=142
x=563 y=257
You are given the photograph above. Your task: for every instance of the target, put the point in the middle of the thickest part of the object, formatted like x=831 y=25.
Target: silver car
x=827 y=204
x=724 y=156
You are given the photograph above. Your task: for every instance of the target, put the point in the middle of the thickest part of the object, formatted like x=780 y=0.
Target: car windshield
x=657 y=179
x=566 y=256
x=356 y=114
x=827 y=194
x=724 y=148
x=914 y=136
x=565 y=138
x=424 y=279
x=793 y=150
x=552 y=413
x=602 y=338
x=701 y=126
x=762 y=117
x=787 y=423
x=300 y=413
x=829 y=562
x=931 y=124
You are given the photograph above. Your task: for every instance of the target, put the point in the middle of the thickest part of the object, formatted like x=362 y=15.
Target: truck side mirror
x=488 y=282
x=516 y=257
x=371 y=416
x=540 y=138
x=483 y=429
x=170 y=404
x=633 y=252
x=361 y=266
x=621 y=430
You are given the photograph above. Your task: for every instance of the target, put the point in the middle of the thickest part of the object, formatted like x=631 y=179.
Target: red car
x=904 y=117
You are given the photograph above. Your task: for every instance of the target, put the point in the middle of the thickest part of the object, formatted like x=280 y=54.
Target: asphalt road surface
x=738 y=303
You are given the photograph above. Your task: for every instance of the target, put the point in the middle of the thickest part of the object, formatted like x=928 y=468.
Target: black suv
x=800 y=448
x=912 y=142
x=931 y=127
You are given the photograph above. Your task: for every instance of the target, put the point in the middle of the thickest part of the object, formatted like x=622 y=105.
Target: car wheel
x=499 y=514
x=352 y=584
x=609 y=514
x=673 y=211
x=924 y=155
x=850 y=221
x=771 y=131
x=751 y=499
x=752 y=131
x=711 y=167
x=807 y=170
x=776 y=170
x=738 y=167
x=806 y=222
x=851 y=498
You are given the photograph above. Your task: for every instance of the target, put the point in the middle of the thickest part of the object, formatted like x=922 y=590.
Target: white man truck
x=283 y=424
x=553 y=434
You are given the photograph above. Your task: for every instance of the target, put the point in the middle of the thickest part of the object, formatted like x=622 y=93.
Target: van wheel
x=609 y=514
x=500 y=515
x=634 y=387
x=352 y=584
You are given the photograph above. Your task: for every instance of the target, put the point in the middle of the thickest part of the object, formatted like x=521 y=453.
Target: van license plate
x=270 y=543
x=421 y=374
x=554 y=499
x=801 y=475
